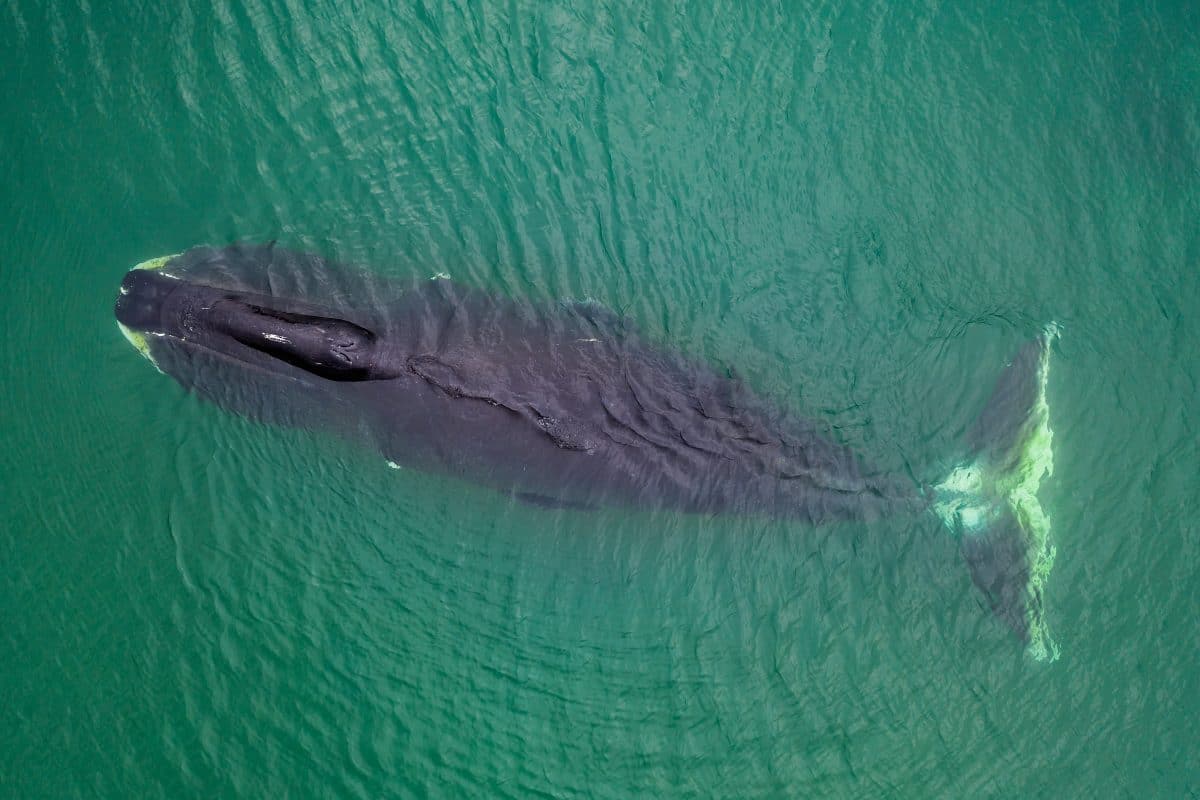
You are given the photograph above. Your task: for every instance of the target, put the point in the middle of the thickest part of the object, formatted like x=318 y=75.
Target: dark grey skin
x=566 y=407
x=561 y=407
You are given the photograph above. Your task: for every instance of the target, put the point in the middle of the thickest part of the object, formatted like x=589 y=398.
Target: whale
x=570 y=406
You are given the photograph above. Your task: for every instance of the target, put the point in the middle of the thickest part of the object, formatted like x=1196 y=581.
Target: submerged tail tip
x=1009 y=562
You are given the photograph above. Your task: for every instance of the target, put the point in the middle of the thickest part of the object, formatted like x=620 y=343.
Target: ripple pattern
x=858 y=207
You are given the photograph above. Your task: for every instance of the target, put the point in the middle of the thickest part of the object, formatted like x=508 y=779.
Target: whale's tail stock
x=990 y=500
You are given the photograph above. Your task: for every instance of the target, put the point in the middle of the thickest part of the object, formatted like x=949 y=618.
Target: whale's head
x=241 y=349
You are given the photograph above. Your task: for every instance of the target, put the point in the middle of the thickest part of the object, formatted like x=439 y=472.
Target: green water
x=861 y=208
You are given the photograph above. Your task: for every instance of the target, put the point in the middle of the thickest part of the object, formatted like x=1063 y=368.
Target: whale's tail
x=990 y=501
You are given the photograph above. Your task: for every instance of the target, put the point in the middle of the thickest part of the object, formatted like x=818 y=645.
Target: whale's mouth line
x=140 y=343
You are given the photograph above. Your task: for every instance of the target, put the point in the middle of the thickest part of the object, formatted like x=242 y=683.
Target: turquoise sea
x=862 y=208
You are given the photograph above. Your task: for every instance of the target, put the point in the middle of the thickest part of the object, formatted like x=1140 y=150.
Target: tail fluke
x=991 y=500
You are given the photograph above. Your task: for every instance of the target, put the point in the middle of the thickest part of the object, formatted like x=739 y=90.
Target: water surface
x=860 y=208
